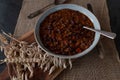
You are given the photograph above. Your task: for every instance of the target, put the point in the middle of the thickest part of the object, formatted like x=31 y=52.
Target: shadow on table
x=114 y=11
x=9 y=11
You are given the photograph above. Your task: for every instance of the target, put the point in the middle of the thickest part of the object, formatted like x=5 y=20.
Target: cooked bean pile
x=62 y=32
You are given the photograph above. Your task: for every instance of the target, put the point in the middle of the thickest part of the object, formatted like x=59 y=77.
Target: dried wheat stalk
x=24 y=56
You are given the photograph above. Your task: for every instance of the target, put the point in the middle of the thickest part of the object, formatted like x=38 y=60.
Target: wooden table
x=102 y=63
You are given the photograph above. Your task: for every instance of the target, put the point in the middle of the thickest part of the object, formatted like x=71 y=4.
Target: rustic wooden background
x=102 y=63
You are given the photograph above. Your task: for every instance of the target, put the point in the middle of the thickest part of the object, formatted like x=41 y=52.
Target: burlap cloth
x=100 y=64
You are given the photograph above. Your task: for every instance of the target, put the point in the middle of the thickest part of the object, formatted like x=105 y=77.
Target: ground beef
x=62 y=32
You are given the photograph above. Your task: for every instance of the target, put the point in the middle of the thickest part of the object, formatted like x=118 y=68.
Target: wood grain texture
x=100 y=64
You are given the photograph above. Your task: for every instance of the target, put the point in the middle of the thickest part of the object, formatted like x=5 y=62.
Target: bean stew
x=62 y=32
